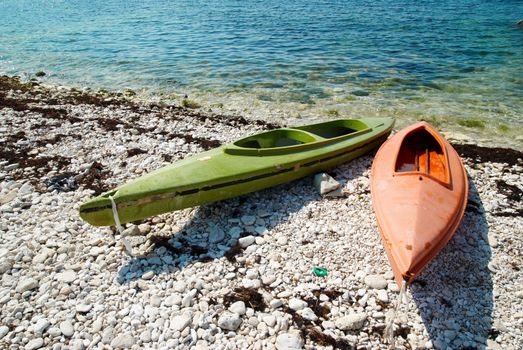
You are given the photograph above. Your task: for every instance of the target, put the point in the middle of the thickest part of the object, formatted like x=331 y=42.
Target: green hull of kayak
x=249 y=164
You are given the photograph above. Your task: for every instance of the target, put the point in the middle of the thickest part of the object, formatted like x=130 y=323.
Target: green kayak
x=249 y=164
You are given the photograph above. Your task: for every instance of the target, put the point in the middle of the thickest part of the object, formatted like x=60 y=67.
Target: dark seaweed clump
x=249 y=296
x=489 y=154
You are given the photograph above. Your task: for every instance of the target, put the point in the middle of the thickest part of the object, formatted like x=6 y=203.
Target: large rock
x=288 y=341
x=376 y=281
x=229 y=321
x=351 y=322
x=325 y=183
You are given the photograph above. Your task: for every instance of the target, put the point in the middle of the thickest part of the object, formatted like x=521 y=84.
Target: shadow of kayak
x=199 y=240
x=458 y=282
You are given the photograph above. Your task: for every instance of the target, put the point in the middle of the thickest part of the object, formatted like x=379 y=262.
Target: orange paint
x=419 y=192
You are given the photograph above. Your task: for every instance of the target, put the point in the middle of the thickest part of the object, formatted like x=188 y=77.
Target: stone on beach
x=324 y=183
x=229 y=321
x=351 y=322
x=123 y=341
x=178 y=323
x=26 y=284
x=376 y=281
x=288 y=341
x=66 y=328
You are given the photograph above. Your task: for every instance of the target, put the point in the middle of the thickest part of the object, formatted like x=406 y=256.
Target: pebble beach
x=236 y=274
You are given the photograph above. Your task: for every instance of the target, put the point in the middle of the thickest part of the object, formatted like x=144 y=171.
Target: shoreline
x=233 y=272
x=481 y=130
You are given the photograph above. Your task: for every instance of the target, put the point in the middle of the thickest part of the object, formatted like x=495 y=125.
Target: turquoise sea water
x=456 y=63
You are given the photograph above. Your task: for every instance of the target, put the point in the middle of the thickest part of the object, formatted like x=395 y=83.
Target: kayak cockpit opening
x=422 y=153
x=335 y=128
x=276 y=138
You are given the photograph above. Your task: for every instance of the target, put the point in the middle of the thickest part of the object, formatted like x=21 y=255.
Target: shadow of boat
x=192 y=242
x=459 y=282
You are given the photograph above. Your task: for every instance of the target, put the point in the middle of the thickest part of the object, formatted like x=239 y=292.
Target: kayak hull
x=419 y=192
x=232 y=170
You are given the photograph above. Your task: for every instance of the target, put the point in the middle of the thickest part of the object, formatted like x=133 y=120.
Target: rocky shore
x=235 y=274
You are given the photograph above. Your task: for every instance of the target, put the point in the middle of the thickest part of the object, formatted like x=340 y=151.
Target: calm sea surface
x=456 y=63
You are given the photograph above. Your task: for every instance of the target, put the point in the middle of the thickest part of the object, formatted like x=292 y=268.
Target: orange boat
x=419 y=192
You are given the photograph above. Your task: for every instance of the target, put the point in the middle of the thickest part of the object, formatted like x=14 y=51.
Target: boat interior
x=303 y=134
x=421 y=152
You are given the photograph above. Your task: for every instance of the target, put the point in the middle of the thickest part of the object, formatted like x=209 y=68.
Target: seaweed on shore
x=205 y=143
x=251 y=297
x=489 y=154
x=94 y=178
x=512 y=192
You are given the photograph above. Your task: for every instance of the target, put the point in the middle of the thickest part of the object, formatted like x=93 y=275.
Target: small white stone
x=148 y=275
x=189 y=298
x=270 y=320
x=173 y=299
x=248 y=220
x=179 y=286
x=351 y=322
x=216 y=235
x=68 y=276
x=308 y=314
x=34 y=344
x=41 y=325
x=276 y=303
x=178 y=323
x=288 y=341
x=26 y=284
x=383 y=296
x=229 y=321
x=123 y=341
x=376 y=281
x=325 y=183
x=3 y=331
x=246 y=241
x=297 y=304
x=66 y=328
x=238 y=307
x=83 y=308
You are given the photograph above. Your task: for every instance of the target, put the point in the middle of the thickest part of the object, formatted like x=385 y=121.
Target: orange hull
x=419 y=192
